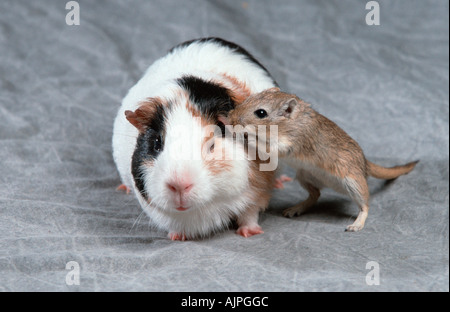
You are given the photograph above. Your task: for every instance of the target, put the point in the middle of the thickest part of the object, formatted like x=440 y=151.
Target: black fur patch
x=148 y=147
x=210 y=98
x=230 y=45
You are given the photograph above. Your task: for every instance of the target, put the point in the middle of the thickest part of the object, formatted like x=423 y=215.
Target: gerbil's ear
x=287 y=107
x=224 y=120
x=274 y=89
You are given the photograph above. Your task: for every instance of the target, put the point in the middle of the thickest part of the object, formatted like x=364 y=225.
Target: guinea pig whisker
x=138 y=219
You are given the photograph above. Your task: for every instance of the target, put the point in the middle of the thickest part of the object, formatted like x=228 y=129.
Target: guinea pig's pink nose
x=180 y=187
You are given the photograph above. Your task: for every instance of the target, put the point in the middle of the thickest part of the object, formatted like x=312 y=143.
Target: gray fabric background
x=60 y=88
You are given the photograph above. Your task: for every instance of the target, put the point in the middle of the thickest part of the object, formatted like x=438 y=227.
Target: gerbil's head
x=269 y=107
x=265 y=110
x=188 y=174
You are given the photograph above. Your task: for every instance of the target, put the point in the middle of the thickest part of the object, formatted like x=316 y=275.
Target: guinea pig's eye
x=157 y=144
x=261 y=113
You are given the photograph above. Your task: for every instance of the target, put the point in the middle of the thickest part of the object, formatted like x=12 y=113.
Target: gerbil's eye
x=211 y=148
x=261 y=113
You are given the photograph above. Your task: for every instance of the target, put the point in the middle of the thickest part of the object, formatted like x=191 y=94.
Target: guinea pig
x=192 y=181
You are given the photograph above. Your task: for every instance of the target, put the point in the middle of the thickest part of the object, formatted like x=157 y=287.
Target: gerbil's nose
x=181 y=187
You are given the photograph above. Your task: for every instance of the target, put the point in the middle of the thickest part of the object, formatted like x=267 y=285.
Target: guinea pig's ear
x=142 y=117
x=138 y=119
x=287 y=108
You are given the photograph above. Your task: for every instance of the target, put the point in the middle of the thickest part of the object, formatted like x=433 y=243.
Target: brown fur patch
x=141 y=116
x=218 y=166
x=261 y=183
x=215 y=160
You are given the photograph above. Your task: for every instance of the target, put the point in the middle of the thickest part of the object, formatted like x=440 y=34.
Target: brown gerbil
x=321 y=152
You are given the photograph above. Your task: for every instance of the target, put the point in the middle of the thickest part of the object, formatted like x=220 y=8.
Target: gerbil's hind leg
x=314 y=194
x=359 y=191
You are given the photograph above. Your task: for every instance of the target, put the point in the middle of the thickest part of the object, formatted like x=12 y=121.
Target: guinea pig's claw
x=247 y=231
x=123 y=187
x=177 y=236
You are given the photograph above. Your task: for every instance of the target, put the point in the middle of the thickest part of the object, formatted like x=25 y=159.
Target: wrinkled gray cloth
x=61 y=86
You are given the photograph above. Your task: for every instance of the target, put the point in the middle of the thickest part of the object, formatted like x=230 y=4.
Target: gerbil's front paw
x=278 y=184
x=248 y=231
x=177 y=236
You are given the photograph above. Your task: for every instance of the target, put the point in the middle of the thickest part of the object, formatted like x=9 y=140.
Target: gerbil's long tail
x=389 y=173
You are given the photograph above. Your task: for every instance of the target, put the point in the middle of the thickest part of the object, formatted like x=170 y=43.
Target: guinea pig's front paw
x=248 y=231
x=177 y=236
x=123 y=187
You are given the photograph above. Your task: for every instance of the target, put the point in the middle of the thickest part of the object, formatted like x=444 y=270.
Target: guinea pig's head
x=182 y=162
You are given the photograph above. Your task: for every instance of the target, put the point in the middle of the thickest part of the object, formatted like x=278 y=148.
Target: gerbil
x=162 y=143
x=321 y=152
